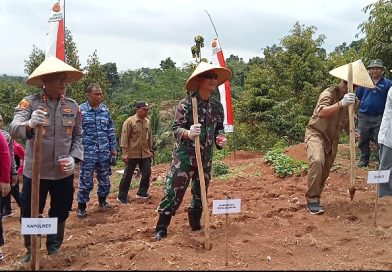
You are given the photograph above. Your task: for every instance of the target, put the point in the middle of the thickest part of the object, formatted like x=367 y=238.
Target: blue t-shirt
x=373 y=100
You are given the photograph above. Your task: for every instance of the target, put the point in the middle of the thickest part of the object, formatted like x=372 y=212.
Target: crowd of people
x=85 y=135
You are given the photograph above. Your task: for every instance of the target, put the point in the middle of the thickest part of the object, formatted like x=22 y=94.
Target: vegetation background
x=273 y=96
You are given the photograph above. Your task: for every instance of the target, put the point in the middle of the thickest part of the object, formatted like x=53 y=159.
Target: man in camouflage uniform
x=62 y=135
x=99 y=143
x=329 y=119
x=184 y=168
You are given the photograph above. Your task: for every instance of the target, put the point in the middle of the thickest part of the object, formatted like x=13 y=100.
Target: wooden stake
x=376 y=204
x=35 y=184
x=227 y=240
x=206 y=216
x=350 y=87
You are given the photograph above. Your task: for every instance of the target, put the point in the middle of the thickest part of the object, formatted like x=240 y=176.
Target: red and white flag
x=55 y=38
x=224 y=89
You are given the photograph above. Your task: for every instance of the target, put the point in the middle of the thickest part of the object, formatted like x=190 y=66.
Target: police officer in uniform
x=62 y=135
x=99 y=144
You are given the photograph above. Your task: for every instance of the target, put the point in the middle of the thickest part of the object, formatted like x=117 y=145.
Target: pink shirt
x=20 y=153
x=5 y=160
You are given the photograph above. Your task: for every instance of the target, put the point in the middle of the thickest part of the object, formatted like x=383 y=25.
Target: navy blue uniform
x=98 y=143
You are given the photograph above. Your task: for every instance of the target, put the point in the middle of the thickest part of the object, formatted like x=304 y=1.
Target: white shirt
x=385 y=133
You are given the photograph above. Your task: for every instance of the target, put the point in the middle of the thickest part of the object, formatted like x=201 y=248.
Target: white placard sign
x=379 y=176
x=39 y=225
x=226 y=206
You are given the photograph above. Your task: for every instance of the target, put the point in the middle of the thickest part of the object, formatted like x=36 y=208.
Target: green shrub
x=219 y=168
x=163 y=156
x=284 y=165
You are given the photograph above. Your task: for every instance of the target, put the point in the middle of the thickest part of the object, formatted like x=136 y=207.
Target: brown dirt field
x=273 y=231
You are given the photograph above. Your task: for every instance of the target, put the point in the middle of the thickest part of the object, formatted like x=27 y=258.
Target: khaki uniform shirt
x=62 y=133
x=136 y=136
x=328 y=130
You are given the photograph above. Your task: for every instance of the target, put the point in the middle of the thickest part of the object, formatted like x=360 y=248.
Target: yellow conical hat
x=222 y=73
x=361 y=76
x=53 y=65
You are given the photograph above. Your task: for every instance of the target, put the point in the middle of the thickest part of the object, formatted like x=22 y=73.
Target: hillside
x=272 y=232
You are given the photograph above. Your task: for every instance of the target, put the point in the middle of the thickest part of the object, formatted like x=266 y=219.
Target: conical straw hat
x=53 y=65
x=223 y=75
x=361 y=76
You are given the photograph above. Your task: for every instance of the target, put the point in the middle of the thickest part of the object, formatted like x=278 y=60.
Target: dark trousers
x=369 y=127
x=6 y=201
x=1 y=227
x=61 y=197
x=145 y=171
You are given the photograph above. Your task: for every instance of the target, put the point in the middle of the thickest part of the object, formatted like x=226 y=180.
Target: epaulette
x=70 y=99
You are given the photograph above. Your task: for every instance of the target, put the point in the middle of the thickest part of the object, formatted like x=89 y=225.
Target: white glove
x=221 y=141
x=68 y=165
x=348 y=98
x=194 y=131
x=37 y=118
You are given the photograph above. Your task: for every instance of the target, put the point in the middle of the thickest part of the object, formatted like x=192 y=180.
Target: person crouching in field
x=201 y=84
x=329 y=119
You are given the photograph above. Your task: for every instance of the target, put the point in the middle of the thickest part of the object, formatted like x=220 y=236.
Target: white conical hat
x=361 y=76
x=53 y=65
x=223 y=75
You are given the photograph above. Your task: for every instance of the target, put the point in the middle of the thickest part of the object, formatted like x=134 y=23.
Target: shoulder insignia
x=67 y=110
x=24 y=104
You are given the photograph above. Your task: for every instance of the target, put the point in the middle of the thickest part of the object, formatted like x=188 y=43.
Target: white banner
x=224 y=89
x=55 y=40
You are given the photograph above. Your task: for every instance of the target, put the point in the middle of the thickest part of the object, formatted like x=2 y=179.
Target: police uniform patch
x=68 y=130
x=24 y=104
x=67 y=110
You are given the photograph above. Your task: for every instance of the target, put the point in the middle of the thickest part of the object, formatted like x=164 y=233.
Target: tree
x=167 y=64
x=11 y=93
x=239 y=69
x=95 y=74
x=71 y=51
x=378 y=32
x=110 y=69
x=280 y=90
x=36 y=57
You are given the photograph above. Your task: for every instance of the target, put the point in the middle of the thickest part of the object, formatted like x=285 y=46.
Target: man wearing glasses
x=136 y=150
x=184 y=167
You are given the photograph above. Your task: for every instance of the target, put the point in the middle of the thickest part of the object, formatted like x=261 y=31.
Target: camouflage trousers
x=177 y=181
x=86 y=181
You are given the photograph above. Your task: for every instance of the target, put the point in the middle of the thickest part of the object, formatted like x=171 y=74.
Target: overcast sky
x=141 y=33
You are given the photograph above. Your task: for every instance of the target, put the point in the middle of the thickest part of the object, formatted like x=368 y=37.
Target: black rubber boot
x=54 y=241
x=162 y=225
x=27 y=243
x=194 y=216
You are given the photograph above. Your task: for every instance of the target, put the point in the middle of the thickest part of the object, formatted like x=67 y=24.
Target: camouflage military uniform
x=184 y=165
x=98 y=142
